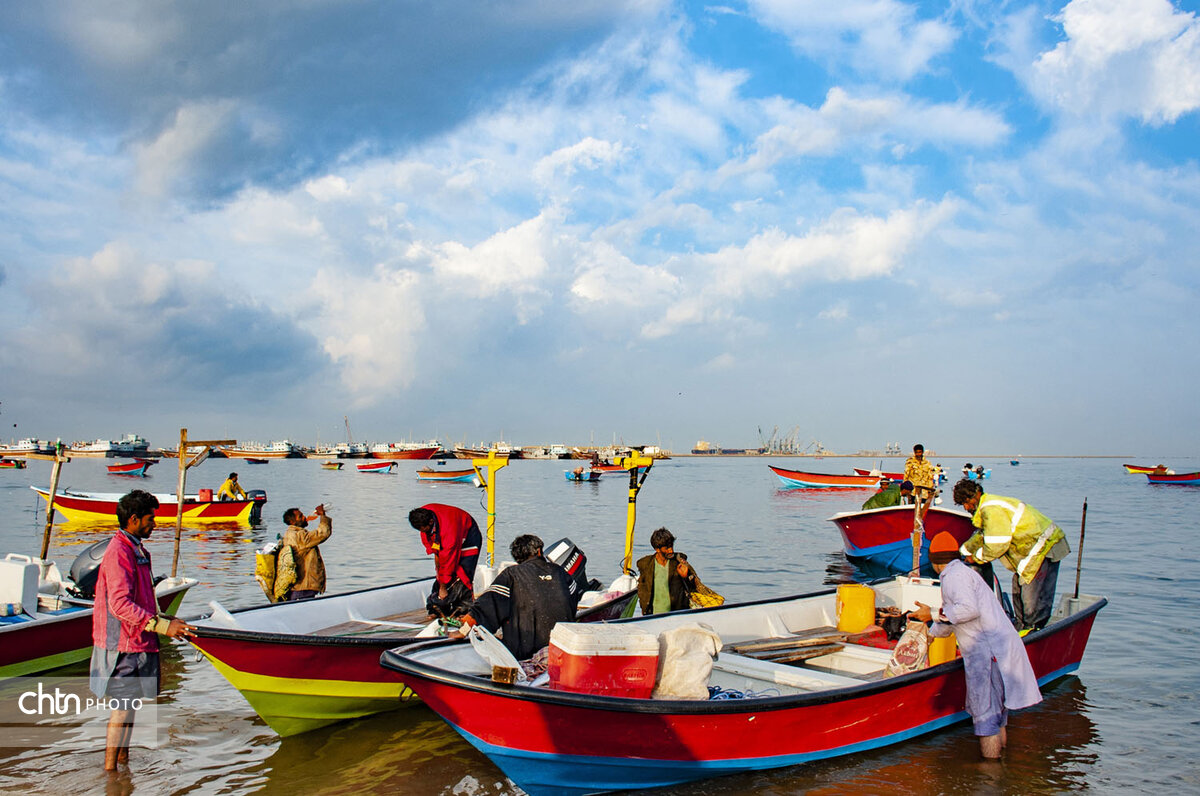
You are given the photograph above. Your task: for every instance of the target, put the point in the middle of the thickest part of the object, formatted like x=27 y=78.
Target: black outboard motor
x=259 y=496
x=571 y=558
x=85 y=569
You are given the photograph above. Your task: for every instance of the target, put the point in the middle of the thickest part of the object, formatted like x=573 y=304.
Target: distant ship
x=128 y=445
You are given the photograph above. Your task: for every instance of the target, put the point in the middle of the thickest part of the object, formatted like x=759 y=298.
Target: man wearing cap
x=919 y=471
x=893 y=494
x=231 y=489
x=1026 y=541
x=999 y=676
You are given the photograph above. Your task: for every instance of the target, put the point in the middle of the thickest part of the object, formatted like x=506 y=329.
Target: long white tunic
x=984 y=633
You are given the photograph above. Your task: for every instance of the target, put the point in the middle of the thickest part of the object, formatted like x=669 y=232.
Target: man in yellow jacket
x=1024 y=540
x=231 y=489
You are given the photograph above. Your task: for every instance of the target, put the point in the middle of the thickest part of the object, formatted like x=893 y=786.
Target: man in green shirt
x=665 y=579
x=895 y=494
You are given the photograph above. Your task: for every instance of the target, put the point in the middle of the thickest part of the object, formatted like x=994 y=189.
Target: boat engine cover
x=571 y=558
x=85 y=569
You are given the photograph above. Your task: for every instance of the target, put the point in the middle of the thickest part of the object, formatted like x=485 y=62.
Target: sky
x=970 y=224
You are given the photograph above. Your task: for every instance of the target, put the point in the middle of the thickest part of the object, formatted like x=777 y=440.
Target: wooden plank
x=808 y=637
x=800 y=655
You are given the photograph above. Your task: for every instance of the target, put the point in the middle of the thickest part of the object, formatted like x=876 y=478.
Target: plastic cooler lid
x=602 y=639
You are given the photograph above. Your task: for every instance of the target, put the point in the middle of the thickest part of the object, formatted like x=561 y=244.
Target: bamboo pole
x=1079 y=553
x=184 y=464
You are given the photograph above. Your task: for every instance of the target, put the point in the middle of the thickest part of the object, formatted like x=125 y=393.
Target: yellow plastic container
x=855 y=608
x=942 y=649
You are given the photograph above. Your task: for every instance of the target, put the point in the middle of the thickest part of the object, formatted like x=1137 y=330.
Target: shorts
x=124 y=675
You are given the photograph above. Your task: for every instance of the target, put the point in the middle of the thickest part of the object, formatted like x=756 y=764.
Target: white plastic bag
x=492 y=650
x=685 y=661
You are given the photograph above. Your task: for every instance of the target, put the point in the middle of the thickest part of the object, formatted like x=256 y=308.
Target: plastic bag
x=911 y=653
x=685 y=661
x=492 y=650
x=264 y=568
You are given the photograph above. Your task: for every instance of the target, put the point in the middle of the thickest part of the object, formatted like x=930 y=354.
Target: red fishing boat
x=446 y=476
x=376 y=467
x=1138 y=469
x=884 y=536
x=781 y=714
x=877 y=474
x=134 y=468
x=102 y=507
x=12 y=464
x=798 y=478
x=405 y=450
x=1173 y=478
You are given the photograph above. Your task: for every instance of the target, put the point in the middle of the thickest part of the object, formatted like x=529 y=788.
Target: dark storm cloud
x=309 y=80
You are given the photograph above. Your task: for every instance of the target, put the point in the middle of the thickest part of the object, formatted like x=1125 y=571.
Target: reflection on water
x=1128 y=721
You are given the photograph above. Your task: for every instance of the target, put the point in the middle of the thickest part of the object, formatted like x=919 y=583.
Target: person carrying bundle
x=452 y=537
x=310 y=567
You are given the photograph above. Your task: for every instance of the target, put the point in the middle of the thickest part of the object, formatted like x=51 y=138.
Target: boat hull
x=137 y=469
x=300 y=682
x=583 y=478
x=1173 y=478
x=44 y=644
x=88 y=507
x=548 y=741
x=376 y=467
x=889 y=476
x=448 y=476
x=884 y=536
x=799 y=478
x=415 y=453
x=1138 y=469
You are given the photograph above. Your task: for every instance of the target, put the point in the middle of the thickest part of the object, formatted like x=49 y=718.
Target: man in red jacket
x=126 y=624
x=452 y=537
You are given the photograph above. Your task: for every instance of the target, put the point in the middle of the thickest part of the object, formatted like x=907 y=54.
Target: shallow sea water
x=1127 y=720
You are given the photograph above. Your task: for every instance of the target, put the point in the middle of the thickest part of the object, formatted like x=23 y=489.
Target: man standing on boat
x=525 y=601
x=1026 y=541
x=310 y=567
x=126 y=624
x=231 y=489
x=894 y=494
x=999 y=676
x=452 y=537
x=665 y=580
x=919 y=471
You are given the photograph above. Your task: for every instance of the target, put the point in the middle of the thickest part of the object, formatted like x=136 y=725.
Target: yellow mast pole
x=632 y=463
x=492 y=463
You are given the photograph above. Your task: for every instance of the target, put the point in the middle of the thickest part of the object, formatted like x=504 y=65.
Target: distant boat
x=590 y=475
x=405 y=450
x=128 y=445
x=447 y=476
x=12 y=464
x=1173 y=478
x=877 y=473
x=1013 y=462
x=799 y=478
x=1138 y=469
x=331 y=465
x=282 y=449
x=884 y=536
x=135 y=468
x=26 y=446
x=376 y=467
x=254 y=460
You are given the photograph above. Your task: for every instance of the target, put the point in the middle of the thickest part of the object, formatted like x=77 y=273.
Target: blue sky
x=970 y=224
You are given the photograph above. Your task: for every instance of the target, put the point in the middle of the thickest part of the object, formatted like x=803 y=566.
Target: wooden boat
x=308 y=664
x=884 y=536
x=254 y=460
x=102 y=507
x=1138 y=469
x=1173 y=478
x=56 y=628
x=798 y=478
x=975 y=475
x=12 y=464
x=376 y=467
x=831 y=704
x=282 y=449
x=590 y=475
x=331 y=465
x=128 y=445
x=877 y=474
x=134 y=468
x=23 y=447
x=446 y=476
x=1013 y=462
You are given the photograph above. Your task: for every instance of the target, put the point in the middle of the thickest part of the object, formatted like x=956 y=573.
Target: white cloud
x=1138 y=58
x=168 y=160
x=883 y=38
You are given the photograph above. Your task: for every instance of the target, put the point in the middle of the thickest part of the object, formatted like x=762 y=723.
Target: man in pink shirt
x=126 y=624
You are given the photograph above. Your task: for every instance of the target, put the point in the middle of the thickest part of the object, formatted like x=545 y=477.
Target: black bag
x=894 y=626
x=458 y=600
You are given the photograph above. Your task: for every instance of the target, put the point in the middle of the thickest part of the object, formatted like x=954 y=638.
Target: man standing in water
x=310 y=567
x=999 y=676
x=452 y=537
x=919 y=471
x=126 y=624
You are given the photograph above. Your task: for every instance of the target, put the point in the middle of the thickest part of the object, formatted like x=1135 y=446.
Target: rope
x=716 y=693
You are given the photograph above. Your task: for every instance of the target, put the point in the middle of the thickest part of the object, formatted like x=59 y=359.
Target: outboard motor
x=571 y=558
x=85 y=569
x=259 y=496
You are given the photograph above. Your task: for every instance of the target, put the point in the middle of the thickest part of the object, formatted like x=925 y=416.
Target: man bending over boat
x=452 y=537
x=900 y=494
x=525 y=602
x=665 y=580
x=310 y=567
x=1024 y=540
x=999 y=676
x=126 y=624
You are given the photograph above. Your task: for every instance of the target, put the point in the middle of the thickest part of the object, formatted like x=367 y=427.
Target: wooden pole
x=1079 y=553
x=924 y=497
x=59 y=458
x=184 y=464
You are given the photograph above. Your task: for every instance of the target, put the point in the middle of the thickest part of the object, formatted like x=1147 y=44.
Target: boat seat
x=782 y=673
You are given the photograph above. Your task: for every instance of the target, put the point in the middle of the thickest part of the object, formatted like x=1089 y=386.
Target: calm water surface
x=1128 y=720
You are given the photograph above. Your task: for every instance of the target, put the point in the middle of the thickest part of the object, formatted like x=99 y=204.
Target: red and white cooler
x=601 y=659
